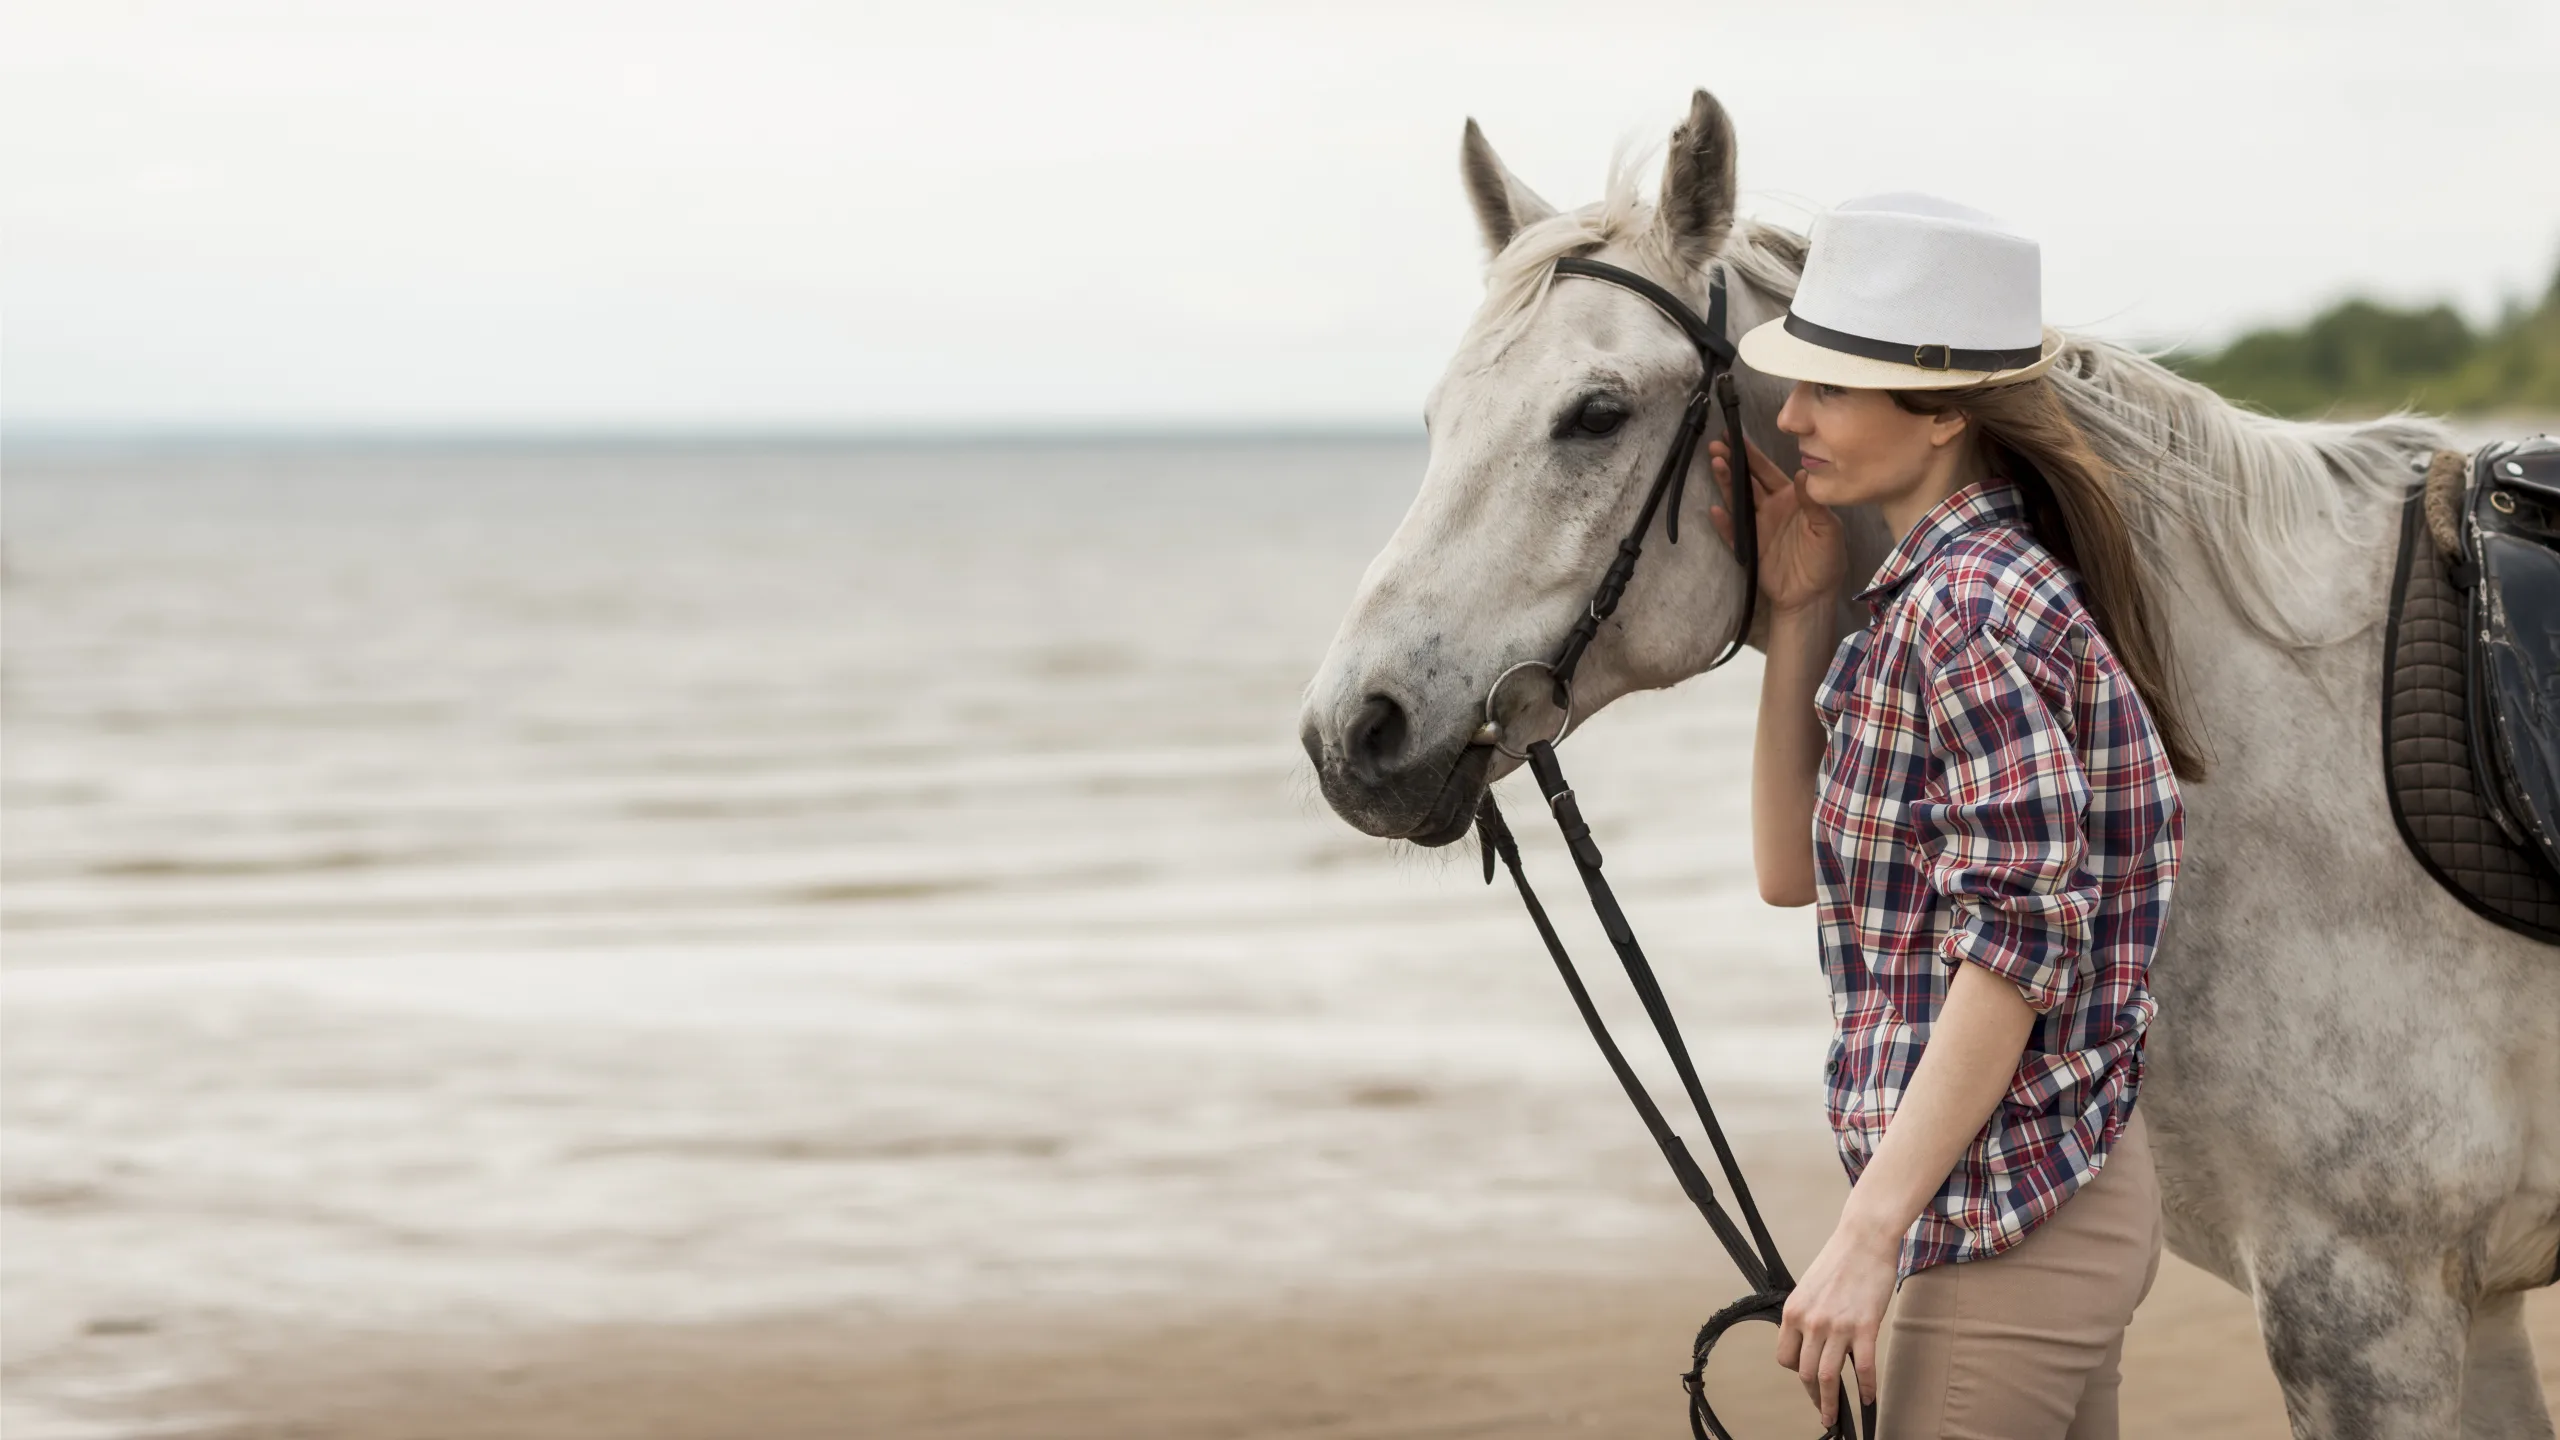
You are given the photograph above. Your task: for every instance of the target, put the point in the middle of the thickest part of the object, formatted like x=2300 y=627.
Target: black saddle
x=2471 y=684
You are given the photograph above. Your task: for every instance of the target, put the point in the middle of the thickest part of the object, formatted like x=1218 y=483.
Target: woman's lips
x=1812 y=462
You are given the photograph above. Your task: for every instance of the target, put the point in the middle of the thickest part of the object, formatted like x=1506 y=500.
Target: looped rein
x=1769 y=1306
x=1756 y=1254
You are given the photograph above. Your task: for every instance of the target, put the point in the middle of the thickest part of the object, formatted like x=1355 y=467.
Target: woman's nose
x=1792 y=416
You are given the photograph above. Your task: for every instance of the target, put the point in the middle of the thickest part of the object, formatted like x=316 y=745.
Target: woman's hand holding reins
x=1802 y=558
x=1836 y=1314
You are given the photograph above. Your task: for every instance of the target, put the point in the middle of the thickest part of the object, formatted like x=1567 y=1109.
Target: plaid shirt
x=1992 y=791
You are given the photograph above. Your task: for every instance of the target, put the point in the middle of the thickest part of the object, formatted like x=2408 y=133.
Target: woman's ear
x=1948 y=426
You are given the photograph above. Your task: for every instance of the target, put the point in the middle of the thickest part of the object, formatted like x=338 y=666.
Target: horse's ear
x=1697 y=183
x=1504 y=206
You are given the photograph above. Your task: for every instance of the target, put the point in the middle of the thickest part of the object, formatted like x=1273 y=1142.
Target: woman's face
x=1859 y=448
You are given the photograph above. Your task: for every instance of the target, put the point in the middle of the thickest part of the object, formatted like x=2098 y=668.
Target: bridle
x=1757 y=1255
x=1715 y=386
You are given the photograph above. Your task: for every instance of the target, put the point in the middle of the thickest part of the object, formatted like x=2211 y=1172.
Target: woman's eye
x=1599 y=415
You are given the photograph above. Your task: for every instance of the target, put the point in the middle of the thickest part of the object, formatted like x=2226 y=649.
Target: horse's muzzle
x=1382 y=783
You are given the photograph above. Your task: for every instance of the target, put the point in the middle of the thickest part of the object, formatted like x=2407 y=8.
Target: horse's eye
x=1596 y=415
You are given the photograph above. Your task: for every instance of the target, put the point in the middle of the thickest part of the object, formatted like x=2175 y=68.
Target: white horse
x=2354 y=1081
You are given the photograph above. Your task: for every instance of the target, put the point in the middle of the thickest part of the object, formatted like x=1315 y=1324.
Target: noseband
x=1756 y=1256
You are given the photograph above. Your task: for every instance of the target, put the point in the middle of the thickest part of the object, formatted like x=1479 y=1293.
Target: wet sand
x=1483 y=1356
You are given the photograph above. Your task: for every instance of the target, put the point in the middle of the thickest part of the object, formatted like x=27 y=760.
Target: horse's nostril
x=1374 y=745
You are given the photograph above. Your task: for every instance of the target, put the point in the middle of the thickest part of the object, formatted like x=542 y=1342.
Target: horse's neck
x=2251 y=696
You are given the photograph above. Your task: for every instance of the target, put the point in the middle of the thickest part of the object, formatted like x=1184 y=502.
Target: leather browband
x=1926 y=357
x=1705 y=334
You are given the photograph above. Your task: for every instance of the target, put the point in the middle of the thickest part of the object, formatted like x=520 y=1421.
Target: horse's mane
x=2247 y=489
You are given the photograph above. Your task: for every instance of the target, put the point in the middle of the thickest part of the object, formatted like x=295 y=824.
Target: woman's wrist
x=1811 y=609
x=1870 y=1225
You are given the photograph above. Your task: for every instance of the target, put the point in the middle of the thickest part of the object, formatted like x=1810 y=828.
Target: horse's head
x=1545 y=431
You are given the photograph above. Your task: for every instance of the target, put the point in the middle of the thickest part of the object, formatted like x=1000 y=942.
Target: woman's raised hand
x=1802 y=560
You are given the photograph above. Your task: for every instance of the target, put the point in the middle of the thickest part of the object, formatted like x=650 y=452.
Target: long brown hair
x=2076 y=508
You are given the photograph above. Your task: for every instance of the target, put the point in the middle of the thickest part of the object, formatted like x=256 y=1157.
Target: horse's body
x=2354 y=1081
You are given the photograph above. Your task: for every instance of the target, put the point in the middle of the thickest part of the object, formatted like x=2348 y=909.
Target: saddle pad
x=2426 y=744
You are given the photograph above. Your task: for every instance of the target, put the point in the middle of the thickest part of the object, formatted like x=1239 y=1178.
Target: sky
x=742 y=214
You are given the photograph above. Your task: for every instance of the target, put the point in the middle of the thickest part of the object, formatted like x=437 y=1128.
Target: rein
x=1756 y=1255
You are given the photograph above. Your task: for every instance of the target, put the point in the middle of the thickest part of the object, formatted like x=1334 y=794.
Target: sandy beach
x=1477 y=1352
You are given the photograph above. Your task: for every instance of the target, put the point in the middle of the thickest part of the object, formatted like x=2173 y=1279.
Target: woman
x=1988 y=774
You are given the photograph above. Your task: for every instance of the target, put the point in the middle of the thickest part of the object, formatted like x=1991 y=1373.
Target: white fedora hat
x=1910 y=292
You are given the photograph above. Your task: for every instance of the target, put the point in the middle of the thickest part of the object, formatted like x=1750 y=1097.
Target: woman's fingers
x=1819 y=1350
x=1768 y=482
x=1821 y=1357
x=1766 y=478
x=1764 y=470
x=1719 y=464
x=1835 y=1350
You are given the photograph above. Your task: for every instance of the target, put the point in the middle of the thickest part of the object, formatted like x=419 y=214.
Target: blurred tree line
x=2358 y=356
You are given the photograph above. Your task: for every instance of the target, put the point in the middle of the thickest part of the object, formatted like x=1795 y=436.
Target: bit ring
x=1493 y=722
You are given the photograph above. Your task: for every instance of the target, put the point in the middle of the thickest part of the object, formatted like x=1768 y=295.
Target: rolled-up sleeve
x=2001 y=825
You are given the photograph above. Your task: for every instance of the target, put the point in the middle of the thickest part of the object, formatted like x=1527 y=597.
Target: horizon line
x=154 y=435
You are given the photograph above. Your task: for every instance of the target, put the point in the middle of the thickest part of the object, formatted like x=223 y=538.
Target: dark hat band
x=1926 y=357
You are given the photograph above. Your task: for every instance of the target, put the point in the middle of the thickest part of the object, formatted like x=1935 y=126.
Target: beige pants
x=2025 y=1345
